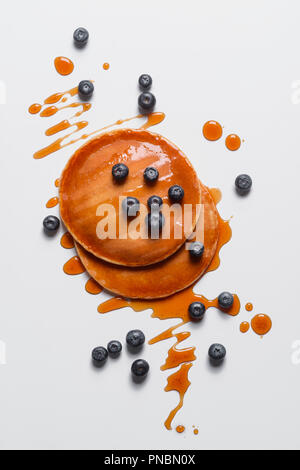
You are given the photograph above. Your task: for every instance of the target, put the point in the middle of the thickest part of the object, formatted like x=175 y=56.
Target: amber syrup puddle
x=52 y=202
x=261 y=324
x=106 y=66
x=74 y=266
x=212 y=130
x=244 y=327
x=67 y=241
x=233 y=142
x=63 y=65
x=92 y=287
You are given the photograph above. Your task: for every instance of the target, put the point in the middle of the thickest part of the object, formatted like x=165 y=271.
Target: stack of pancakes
x=131 y=266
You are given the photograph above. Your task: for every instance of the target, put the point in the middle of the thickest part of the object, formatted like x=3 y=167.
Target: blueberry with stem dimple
x=176 y=193
x=154 y=203
x=135 y=338
x=120 y=171
x=85 y=89
x=151 y=175
x=51 y=224
x=217 y=352
x=140 y=368
x=225 y=300
x=81 y=37
x=147 y=102
x=196 y=311
x=114 y=348
x=196 y=250
x=131 y=206
x=145 y=82
x=243 y=184
x=99 y=355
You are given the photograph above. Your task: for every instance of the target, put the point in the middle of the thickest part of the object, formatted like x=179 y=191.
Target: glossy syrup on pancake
x=176 y=272
x=87 y=186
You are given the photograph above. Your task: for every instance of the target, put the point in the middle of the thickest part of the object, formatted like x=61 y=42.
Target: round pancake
x=87 y=183
x=167 y=277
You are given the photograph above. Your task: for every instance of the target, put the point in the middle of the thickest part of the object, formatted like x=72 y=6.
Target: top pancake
x=87 y=183
x=168 y=277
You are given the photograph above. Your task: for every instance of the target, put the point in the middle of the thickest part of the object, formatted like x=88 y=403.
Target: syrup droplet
x=63 y=65
x=249 y=307
x=106 y=66
x=92 y=287
x=244 y=327
x=212 y=130
x=261 y=324
x=52 y=202
x=35 y=108
x=74 y=266
x=56 y=183
x=233 y=142
x=67 y=241
x=196 y=432
x=180 y=429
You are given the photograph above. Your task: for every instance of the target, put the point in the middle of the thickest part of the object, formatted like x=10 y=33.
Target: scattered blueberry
x=140 y=368
x=147 y=102
x=51 y=223
x=196 y=311
x=217 y=352
x=155 y=222
x=151 y=175
x=135 y=338
x=120 y=171
x=131 y=206
x=225 y=300
x=243 y=184
x=114 y=348
x=99 y=355
x=154 y=202
x=176 y=193
x=196 y=249
x=85 y=89
x=145 y=81
x=81 y=37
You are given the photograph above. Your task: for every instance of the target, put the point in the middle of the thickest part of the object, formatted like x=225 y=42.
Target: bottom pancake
x=167 y=277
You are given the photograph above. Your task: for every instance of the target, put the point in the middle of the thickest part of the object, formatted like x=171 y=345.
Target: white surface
x=228 y=60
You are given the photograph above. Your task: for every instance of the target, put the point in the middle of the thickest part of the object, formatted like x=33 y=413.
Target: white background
x=227 y=60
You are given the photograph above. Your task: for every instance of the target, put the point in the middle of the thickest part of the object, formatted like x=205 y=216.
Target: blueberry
x=114 y=348
x=196 y=249
x=151 y=175
x=196 y=311
x=145 y=81
x=176 y=193
x=147 y=102
x=135 y=338
x=217 y=352
x=85 y=89
x=131 y=206
x=155 y=222
x=51 y=223
x=243 y=184
x=154 y=202
x=99 y=355
x=81 y=37
x=225 y=300
x=140 y=368
x=120 y=171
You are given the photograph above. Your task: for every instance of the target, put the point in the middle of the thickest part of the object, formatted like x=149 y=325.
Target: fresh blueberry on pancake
x=196 y=311
x=135 y=338
x=120 y=171
x=151 y=175
x=51 y=224
x=196 y=250
x=176 y=193
x=114 y=348
x=243 y=184
x=225 y=300
x=145 y=82
x=85 y=89
x=99 y=355
x=81 y=36
x=147 y=102
x=154 y=202
x=131 y=206
x=217 y=352
x=140 y=368
x=155 y=221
